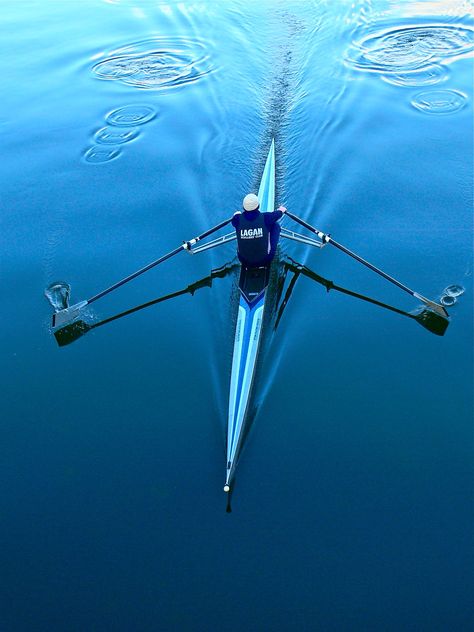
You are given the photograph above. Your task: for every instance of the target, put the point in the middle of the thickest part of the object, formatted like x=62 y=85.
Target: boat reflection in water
x=284 y=275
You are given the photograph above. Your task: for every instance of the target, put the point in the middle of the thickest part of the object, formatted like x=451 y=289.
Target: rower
x=257 y=233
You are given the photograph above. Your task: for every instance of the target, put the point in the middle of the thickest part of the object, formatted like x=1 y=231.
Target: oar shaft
x=328 y=239
x=185 y=246
x=213 y=230
x=135 y=274
x=370 y=266
x=312 y=229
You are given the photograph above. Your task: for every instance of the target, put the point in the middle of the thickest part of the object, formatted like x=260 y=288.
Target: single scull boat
x=253 y=284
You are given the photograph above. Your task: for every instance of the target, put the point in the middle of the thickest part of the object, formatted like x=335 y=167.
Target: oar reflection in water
x=289 y=273
x=427 y=318
x=72 y=332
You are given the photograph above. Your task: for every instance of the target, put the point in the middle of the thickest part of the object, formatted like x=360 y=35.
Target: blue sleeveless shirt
x=257 y=236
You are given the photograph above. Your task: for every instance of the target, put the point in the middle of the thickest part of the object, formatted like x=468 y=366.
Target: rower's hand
x=282 y=209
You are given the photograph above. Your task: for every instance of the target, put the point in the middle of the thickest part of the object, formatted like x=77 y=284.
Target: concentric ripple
x=448 y=301
x=115 y=136
x=131 y=115
x=454 y=290
x=99 y=154
x=156 y=63
x=426 y=77
x=410 y=48
x=439 y=101
x=451 y=294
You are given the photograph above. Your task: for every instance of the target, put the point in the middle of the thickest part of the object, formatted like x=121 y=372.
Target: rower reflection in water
x=257 y=233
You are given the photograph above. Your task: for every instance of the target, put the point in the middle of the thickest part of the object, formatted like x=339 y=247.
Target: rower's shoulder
x=273 y=216
x=235 y=219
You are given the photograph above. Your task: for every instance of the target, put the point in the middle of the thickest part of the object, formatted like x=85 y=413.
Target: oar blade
x=66 y=316
x=432 y=321
x=436 y=307
x=70 y=333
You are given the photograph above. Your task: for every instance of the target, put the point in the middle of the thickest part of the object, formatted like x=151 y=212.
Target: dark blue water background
x=354 y=502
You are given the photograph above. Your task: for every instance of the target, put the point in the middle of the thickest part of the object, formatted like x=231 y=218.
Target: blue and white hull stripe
x=247 y=341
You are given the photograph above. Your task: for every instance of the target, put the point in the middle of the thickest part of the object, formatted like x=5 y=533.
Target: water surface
x=128 y=126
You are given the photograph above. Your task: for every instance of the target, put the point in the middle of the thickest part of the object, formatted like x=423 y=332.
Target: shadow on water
x=284 y=275
x=427 y=318
x=72 y=332
x=283 y=279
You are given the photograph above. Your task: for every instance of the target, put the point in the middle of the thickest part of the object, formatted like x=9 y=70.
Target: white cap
x=251 y=202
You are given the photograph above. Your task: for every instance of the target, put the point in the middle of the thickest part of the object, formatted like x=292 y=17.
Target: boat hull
x=253 y=284
x=248 y=335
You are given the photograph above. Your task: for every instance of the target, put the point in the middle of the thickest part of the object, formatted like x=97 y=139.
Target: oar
x=68 y=314
x=328 y=239
x=75 y=330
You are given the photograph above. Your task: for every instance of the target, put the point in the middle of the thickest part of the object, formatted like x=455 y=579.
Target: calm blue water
x=354 y=504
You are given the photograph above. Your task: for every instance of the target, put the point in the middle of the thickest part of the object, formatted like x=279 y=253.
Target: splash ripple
x=113 y=136
x=131 y=115
x=156 y=63
x=410 y=48
x=439 y=101
x=99 y=154
x=434 y=74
